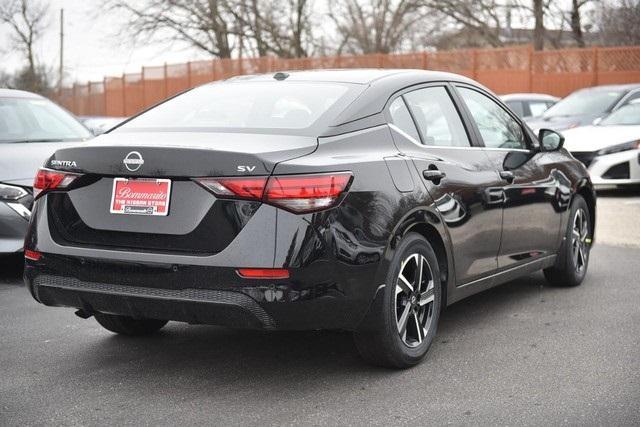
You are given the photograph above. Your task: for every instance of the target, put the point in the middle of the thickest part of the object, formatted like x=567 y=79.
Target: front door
x=535 y=192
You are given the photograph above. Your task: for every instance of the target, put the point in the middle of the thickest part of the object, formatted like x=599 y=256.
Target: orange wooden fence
x=504 y=70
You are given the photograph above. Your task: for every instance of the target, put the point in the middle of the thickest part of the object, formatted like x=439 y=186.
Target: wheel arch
x=586 y=190
x=432 y=235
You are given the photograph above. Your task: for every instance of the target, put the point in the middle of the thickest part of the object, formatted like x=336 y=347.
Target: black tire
x=379 y=340
x=125 y=325
x=569 y=269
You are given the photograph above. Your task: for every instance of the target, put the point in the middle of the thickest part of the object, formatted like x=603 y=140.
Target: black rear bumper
x=310 y=299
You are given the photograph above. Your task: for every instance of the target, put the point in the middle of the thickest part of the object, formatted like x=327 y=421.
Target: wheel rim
x=579 y=247
x=414 y=300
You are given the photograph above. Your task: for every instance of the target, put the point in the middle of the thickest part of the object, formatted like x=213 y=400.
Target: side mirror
x=550 y=140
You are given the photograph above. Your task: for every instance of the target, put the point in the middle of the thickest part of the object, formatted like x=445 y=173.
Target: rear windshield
x=244 y=106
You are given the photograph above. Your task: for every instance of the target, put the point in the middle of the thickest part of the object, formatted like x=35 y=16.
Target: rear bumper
x=311 y=299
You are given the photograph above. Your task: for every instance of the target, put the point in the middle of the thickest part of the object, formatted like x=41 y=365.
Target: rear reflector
x=32 y=255
x=263 y=273
x=47 y=179
x=295 y=193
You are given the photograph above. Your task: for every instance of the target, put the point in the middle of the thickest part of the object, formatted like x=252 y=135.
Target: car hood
x=19 y=162
x=559 y=123
x=594 y=138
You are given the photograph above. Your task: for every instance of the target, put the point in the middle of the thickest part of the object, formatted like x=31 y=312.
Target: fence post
x=474 y=69
x=88 y=106
x=189 y=75
x=425 y=60
x=124 y=96
x=530 y=68
x=595 y=66
x=104 y=91
x=144 y=89
x=166 y=89
x=74 y=100
x=213 y=70
x=381 y=60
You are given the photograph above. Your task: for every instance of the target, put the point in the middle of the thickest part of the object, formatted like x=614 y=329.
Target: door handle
x=434 y=175
x=507 y=176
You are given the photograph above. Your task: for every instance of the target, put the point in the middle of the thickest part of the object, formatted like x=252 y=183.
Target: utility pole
x=61 y=71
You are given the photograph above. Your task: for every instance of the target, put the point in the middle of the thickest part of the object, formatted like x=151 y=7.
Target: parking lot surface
x=519 y=354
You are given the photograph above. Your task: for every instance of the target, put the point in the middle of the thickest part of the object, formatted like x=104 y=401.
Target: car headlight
x=633 y=145
x=12 y=192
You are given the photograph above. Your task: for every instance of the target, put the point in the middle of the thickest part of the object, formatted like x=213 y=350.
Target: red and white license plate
x=140 y=196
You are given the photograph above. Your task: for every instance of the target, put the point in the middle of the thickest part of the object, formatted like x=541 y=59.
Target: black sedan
x=365 y=200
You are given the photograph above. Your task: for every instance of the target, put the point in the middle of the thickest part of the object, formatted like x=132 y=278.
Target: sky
x=94 y=45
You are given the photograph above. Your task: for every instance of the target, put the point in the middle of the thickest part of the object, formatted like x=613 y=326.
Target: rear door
x=459 y=177
x=534 y=188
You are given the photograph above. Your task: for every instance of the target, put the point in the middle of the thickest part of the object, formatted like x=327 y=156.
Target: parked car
x=362 y=200
x=100 y=124
x=611 y=148
x=584 y=106
x=527 y=105
x=31 y=129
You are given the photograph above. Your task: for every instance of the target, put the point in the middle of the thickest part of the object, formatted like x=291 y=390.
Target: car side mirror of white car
x=550 y=140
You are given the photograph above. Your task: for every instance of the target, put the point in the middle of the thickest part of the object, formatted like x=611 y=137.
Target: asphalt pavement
x=519 y=354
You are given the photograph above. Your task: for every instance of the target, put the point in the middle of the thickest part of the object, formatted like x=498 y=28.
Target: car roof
x=528 y=96
x=14 y=93
x=380 y=85
x=622 y=87
x=365 y=76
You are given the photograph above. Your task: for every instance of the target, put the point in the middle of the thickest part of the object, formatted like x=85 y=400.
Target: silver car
x=31 y=129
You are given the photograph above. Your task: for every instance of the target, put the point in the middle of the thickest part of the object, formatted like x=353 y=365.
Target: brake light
x=239 y=188
x=295 y=193
x=306 y=193
x=263 y=273
x=47 y=179
x=32 y=255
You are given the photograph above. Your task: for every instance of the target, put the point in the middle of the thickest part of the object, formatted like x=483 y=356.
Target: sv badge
x=246 y=168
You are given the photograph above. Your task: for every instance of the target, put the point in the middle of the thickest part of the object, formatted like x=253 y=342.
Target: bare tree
x=374 y=26
x=203 y=24
x=27 y=20
x=282 y=28
x=482 y=20
x=619 y=24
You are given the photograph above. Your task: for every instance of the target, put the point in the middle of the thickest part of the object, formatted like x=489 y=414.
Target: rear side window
x=437 y=118
x=244 y=105
x=401 y=117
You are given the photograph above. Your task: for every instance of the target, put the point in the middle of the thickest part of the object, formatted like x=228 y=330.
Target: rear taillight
x=263 y=273
x=47 y=179
x=32 y=255
x=295 y=193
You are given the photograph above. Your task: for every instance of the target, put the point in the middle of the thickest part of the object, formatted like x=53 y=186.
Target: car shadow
x=619 y=192
x=260 y=359
x=11 y=269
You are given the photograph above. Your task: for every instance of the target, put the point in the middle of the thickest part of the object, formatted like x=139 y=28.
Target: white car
x=611 y=148
x=528 y=105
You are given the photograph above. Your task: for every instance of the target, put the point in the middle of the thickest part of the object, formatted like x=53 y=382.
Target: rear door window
x=437 y=119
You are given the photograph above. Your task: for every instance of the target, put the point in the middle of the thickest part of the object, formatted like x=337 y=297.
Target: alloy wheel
x=579 y=234
x=414 y=299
